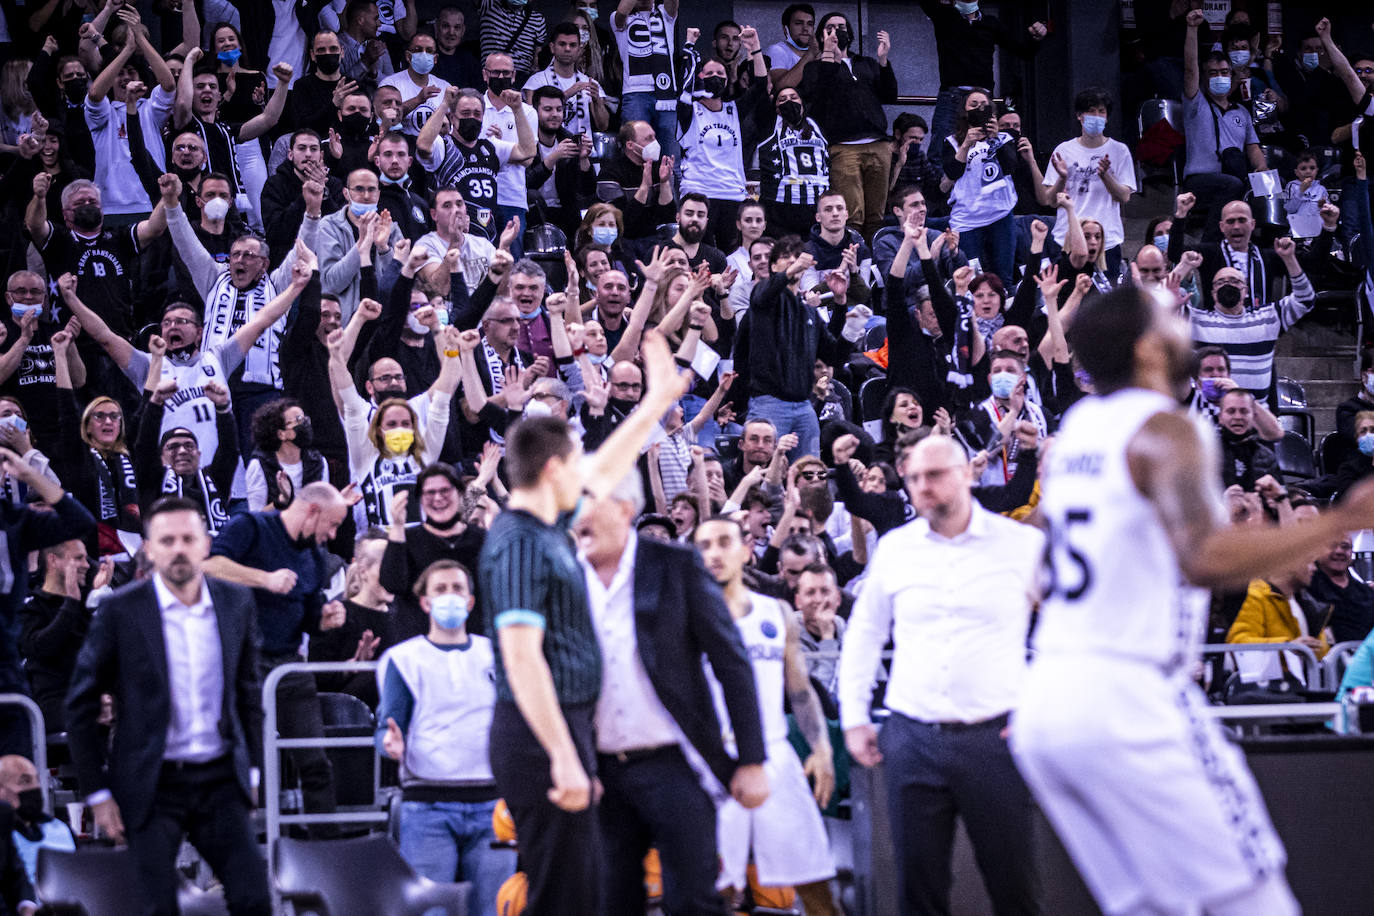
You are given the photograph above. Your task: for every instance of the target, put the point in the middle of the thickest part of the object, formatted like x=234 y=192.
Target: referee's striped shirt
x=528 y=574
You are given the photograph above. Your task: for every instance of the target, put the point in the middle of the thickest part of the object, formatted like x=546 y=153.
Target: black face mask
x=328 y=64
x=1228 y=297
x=469 y=128
x=980 y=116
x=624 y=405
x=87 y=217
x=355 y=125
x=792 y=113
x=31 y=806
x=1014 y=134
x=715 y=85
x=304 y=433
x=843 y=39
x=185 y=174
x=75 y=90
x=381 y=394
x=499 y=84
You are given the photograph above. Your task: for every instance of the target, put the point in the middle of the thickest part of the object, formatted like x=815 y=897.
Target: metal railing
x=1313 y=671
x=38 y=728
x=273 y=745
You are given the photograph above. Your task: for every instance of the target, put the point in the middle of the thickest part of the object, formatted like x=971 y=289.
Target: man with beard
x=178 y=652
x=585 y=109
x=466 y=159
x=188 y=361
x=408 y=211
x=170 y=464
x=442 y=534
x=354 y=237
x=235 y=294
x=283 y=197
x=281 y=556
x=350 y=138
x=693 y=215
x=561 y=180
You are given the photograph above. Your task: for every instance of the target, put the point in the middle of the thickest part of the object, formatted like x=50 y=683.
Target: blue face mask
x=229 y=57
x=1367 y=444
x=605 y=235
x=531 y=315
x=1161 y=242
x=968 y=9
x=1311 y=61
x=19 y=311
x=1211 y=391
x=1239 y=58
x=1369 y=383
x=449 y=611
x=1003 y=384
x=1094 y=125
x=421 y=62
x=590 y=12
x=361 y=209
x=596 y=360
x=1219 y=85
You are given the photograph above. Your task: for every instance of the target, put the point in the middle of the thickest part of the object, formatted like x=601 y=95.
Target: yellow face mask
x=399 y=441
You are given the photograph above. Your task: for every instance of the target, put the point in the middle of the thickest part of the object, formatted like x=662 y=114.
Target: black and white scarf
x=118 y=499
x=227 y=309
x=211 y=506
x=496 y=368
x=378 y=483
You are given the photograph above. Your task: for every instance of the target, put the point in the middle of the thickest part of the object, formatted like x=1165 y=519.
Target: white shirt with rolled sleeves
x=958 y=610
x=1091 y=199
x=510 y=181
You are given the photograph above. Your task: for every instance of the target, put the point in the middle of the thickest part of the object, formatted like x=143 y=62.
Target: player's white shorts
x=1151 y=801
x=787 y=833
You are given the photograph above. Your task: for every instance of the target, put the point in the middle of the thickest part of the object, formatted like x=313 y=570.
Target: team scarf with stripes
x=225 y=314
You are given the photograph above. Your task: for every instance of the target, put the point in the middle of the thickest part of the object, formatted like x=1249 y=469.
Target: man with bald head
x=341 y=256
x=953 y=590
x=1245 y=325
x=280 y=555
x=34 y=827
x=1152 y=267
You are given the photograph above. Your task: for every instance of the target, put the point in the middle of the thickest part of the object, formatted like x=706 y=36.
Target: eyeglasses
x=363 y=189
x=244 y=256
x=510 y=73
x=627 y=386
x=436 y=494
x=389 y=377
x=107 y=416
x=30 y=292
x=179 y=445
x=177 y=321
x=812 y=475
x=1236 y=283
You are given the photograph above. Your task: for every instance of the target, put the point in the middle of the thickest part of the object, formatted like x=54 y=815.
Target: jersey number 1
x=1063 y=556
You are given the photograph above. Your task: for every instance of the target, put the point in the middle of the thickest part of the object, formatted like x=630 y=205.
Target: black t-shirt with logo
x=104 y=266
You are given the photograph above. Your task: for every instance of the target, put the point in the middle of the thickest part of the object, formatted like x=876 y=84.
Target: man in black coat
x=657 y=612
x=179 y=654
x=16 y=893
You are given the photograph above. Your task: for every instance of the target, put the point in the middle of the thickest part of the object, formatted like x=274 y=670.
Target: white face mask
x=216 y=208
x=652 y=150
x=415 y=326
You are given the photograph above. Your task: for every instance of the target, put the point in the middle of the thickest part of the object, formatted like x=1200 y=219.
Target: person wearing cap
x=169 y=464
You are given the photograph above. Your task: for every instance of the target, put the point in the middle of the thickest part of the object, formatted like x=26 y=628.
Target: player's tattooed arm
x=806 y=709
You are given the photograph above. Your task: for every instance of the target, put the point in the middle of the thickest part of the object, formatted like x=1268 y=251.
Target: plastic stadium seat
x=871 y=396
x=1291 y=394
x=100 y=881
x=359 y=877
x=1334 y=449
x=1295 y=457
x=1298 y=421
x=875 y=336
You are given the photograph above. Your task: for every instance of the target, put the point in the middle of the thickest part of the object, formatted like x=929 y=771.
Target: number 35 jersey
x=1115 y=587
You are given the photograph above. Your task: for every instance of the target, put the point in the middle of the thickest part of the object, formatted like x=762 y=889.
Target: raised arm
x=271 y=112
x=181 y=108
x=120 y=350
x=11 y=358
x=429 y=134
x=105 y=80
x=1340 y=63
x=628 y=346
x=1075 y=245
x=1190 y=62
x=36 y=213
x=525 y=146
x=267 y=316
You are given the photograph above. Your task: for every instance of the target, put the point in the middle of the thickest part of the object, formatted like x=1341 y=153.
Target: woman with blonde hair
x=16 y=104
x=389 y=446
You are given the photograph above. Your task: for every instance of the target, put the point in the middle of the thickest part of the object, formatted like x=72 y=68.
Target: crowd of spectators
x=255 y=246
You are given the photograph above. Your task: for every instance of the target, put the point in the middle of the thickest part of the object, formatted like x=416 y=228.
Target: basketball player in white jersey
x=1156 y=808
x=785 y=833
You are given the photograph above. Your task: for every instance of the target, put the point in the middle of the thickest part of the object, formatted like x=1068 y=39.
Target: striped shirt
x=528 y=574
x=1249 y=338
x=517 y=31
x=794 y=165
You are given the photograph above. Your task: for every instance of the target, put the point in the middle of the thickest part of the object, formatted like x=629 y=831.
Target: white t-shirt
x=646 y=53
x=782 y=56
x=1091 y=199
x=984 y=193
x=577 y=118
x=510 y=181
x=256 y=481
x=287 y=42
x=407 y=87
x=1304 y=209
x=475 y=257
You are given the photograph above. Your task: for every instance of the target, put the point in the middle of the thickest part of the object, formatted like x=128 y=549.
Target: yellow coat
x=1267 y=617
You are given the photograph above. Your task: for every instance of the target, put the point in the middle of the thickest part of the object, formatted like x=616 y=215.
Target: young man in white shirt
x=508 y=117
x=415 y=83
x=953 y=589
x=1096 y=172
x=584 y=107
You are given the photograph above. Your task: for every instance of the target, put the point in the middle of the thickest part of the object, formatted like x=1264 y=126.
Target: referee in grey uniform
x=548 y=664
x=954 y=589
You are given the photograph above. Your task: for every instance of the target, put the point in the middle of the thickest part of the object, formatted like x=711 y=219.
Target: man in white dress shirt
x=179 y=655
x=954 y=589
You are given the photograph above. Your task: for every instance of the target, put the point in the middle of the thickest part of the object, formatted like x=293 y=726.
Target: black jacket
x=125 y=655
x=283 y=207
x=785 y=336
x=408 y=210
x=1245 y=459
x=51 y=630
x=14 y=880
x=849 y=105
x=681 y=615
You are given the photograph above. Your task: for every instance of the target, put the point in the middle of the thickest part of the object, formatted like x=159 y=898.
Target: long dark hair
x=961 y=124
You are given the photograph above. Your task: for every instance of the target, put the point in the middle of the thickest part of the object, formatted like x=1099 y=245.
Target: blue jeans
x=994 y=246
x=505 y=214
x=451 y=841
x=641 y=106
x=789 y=417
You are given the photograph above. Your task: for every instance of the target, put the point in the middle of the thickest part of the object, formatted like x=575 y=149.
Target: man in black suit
x=16 y=893
x=179 y=654
x=657 y=612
